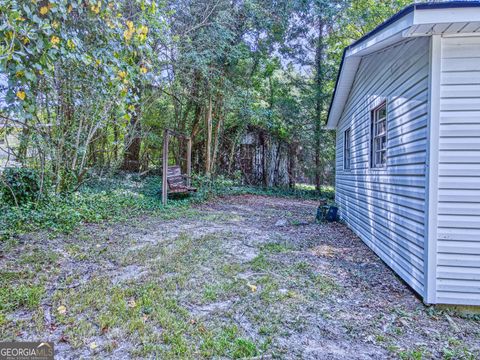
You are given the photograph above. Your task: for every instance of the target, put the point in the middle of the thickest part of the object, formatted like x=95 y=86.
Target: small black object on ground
x=327 y=212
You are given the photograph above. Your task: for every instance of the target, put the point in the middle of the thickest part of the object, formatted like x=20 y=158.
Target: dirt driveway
x=239 y=277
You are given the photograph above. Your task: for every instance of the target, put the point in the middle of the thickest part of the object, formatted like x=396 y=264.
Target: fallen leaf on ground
x=64 y=338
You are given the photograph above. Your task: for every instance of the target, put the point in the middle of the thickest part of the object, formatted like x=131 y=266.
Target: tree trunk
x=131 y=158
x=115 y=139
x=218 y=128
x=319 y=83
x=208 y=127
x=292 y=165
x=198 y=107
x=265 y=151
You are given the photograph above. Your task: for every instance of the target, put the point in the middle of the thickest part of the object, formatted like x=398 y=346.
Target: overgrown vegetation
x=19 y=186
x=89 y=86
x=118 y=198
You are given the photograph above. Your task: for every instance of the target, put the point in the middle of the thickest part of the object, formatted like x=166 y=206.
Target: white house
x=406 y=109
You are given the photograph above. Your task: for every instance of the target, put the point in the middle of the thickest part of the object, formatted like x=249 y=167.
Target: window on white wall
x=378 y=144
x=347 y=153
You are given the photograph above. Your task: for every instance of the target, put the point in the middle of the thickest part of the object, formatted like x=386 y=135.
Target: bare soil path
x=239 y=277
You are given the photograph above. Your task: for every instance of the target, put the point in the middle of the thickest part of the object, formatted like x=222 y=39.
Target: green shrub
x=19 y=186
x=68 y=181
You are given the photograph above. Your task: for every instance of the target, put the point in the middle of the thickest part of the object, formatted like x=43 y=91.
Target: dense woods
x=89 y=86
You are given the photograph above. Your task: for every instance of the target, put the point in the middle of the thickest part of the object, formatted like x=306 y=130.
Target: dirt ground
x=239 y=277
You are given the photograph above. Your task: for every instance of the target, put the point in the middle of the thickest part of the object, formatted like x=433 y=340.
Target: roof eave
x=389 y=32
x=351 y=60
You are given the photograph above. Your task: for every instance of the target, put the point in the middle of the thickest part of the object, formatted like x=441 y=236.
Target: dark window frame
x=347 y=149
x=378 y=136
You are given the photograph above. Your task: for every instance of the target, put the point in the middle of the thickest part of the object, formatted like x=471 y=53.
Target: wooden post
x=165 y=167
x=189 y=160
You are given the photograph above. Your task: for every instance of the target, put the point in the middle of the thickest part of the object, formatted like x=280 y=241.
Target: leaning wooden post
x=165 y=167
x=189 y=160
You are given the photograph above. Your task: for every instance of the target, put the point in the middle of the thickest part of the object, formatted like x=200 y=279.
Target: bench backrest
x=175 y=179
x=174 y=171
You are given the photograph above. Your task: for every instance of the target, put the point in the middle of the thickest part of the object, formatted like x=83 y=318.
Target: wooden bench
x=177 y=182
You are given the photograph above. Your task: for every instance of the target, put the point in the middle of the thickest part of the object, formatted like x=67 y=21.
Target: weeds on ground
x=13 y=297
x=222 y=186
x=116 y=199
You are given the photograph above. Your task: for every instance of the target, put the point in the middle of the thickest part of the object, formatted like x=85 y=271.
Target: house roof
x=422 y=19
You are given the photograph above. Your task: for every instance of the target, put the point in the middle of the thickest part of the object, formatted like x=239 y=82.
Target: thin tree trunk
x=216 y=141
x=218 y=128
x=292 y=168
x=319 y=104
x=115 y=139
x=77 y=143
x=198 y=108
x=208 y=127
x=276 y=169
x=232 y=152
x=265 y=150
x=131 y=158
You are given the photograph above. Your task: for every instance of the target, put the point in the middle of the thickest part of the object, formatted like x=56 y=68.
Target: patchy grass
x=456 y=349
x=260 y=263
x=418 y=353
x=199 y=283
x=149 y=312
x=13 y=297
x=38 y=260
x=224 y=290
x=275 y=248
x=136 y=309
x=325 y=285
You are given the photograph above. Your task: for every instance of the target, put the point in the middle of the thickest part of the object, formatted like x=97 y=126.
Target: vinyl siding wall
x=386 y=208
x=458 y=232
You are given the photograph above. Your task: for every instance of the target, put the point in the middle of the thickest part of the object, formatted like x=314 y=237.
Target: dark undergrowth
x=118 y=198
